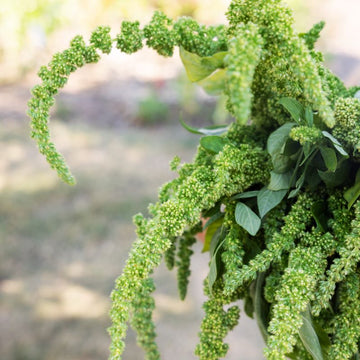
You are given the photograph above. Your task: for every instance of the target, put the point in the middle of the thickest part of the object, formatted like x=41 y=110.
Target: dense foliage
x=279 y=187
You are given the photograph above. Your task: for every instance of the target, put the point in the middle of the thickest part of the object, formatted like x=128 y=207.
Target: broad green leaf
x=213 y=272
x=215 y=264
x=210 y=232
x=245 y=195
x=277 y=139
x=281 y=163
x=352 y=194
x=338 y=177
x=329 y=178
x=213 y=143
x=211 y=130
x=312 y=178
x=298 y=185
x=300 y=181
x=194 y=67
x=247 y=219
x=309 y=116
x=249 y=306
x=291 y=147
x=295 y=109
x=216 y=240
x=309 y=151
x=214 y=218
x=215 y=61
x=329 y=157
x=280 y=181
x=319 y=213
x=215 y=83
x=309 y=337
x=323 y=338
x=336 y=143
x=294 y=192
x=197 y=67
x=268 y=199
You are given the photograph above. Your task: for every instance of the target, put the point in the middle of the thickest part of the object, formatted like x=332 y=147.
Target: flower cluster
x=243 y=58
x=291 y=254
x=305 y=134
x=215 y=325
x=347 y=115
x=141 y=319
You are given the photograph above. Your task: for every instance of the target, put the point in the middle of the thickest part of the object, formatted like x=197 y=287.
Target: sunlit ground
x=62 y=247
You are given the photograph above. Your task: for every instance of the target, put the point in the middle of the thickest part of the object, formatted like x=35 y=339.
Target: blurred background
x=116 y=122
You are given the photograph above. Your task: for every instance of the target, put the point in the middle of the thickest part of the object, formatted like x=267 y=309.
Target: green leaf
x=352 y=194
x=295 y=109
x=276 y=144
x=211 y=130
x=309 y=151
x=336 y=143
x=300 y=181
x=309 y=116
x=213 y=144
x=329 y=157
x=291 y=147
x=213 y=272
x=216 y=240
x=197 y=67
x=215 y=264
x=278 y=138
x=323 y=338
x=215 y=83
x=332 y=179
x=280 y=181
x=298 y=185
x=210 y=232
x=329 y=178
x=214 y=218
x=247 y=219
x=249 y=306
x=245 y=195
x=319 y=213
x=294 y=192
x=268 y=199
x=312 y=178
x=281 y=163
x=216 y=60
x=309 y=337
